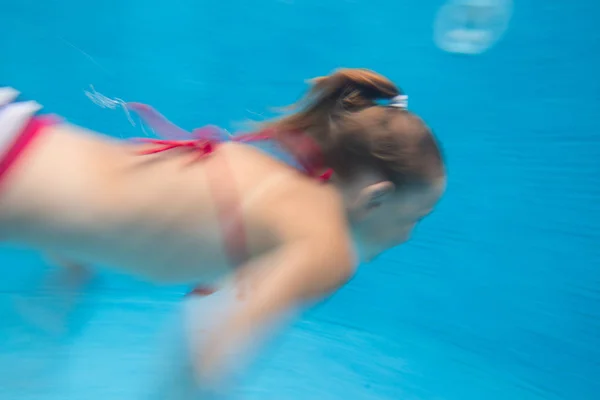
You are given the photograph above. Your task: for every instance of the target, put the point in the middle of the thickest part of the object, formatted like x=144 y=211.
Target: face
x=389 y=220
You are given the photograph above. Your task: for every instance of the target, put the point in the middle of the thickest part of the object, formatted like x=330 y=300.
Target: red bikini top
x=204 y=141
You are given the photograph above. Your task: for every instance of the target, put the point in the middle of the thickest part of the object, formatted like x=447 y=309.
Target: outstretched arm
x=281 y=282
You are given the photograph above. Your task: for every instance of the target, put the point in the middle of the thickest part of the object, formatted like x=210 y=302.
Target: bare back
x=164 y=216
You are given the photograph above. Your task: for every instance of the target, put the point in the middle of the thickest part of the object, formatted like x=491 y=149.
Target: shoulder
x=313 y=214
x=290 y=205
x=305 y=205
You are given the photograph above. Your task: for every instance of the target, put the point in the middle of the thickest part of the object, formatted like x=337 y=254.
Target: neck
x=352 y=189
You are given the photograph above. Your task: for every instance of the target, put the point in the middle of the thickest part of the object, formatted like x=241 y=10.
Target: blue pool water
x=497 y=297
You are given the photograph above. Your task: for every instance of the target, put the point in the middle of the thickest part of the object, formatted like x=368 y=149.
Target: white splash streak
x=111 y=103
x=86 y=55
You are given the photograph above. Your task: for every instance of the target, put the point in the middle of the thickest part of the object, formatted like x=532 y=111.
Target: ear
x=372 y=196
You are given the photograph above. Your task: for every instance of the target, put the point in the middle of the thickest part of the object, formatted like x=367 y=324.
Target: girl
x=155 y=210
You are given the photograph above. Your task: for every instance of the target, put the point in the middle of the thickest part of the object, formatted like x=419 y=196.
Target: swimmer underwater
x=198 y=211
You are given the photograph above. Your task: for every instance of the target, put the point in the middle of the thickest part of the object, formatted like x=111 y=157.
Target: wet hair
x=356 y=133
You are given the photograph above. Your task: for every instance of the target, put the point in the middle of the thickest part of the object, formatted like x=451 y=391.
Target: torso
x=154 y=216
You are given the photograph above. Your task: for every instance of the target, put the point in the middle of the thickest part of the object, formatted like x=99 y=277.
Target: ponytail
x=341 y=115
x=350 y=90
x=330 y=97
